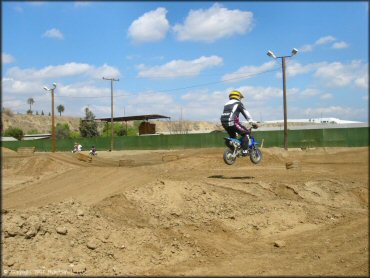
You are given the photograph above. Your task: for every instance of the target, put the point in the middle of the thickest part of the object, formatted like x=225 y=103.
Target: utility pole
x=53 y=137
x=271 y=54
x=285 y=105
x=111 y=109
x=181 y=120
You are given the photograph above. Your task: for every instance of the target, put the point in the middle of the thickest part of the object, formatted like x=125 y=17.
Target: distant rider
x=230 y=118
x=93 y=150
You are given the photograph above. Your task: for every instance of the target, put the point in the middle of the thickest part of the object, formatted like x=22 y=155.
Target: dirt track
x=185 y=212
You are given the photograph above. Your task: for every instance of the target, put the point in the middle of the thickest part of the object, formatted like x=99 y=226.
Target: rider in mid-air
x=230 y=118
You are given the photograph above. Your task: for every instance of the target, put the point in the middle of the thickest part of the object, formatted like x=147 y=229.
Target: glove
x=254 y=125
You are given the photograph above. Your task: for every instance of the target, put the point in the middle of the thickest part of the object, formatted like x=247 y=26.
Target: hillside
x=43 y=124
x=36 y=122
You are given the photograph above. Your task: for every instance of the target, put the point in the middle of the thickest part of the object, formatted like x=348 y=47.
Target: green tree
x=29 y=112
x=42 y=113
x=33 y=131
x=60 y=109
x=62 y=131
x=74 y=134
x=88 y=126
x=119 y=129
x=133 y=130
x=15 y=132
x=30 y=101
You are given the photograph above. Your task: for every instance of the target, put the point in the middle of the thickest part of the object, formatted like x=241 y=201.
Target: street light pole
x=271 y=54
x=111 y=109
x=285 y=105
x=53 y=137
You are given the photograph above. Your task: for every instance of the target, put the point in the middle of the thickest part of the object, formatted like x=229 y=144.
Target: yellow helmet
x=235 y=95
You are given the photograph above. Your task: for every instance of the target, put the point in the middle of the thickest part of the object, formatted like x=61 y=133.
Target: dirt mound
x=7 y=151
x=190 y=215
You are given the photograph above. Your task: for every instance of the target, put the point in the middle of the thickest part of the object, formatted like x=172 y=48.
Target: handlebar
x=252 y=127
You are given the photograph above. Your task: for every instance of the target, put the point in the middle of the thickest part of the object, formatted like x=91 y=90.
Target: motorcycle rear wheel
x=228 y=157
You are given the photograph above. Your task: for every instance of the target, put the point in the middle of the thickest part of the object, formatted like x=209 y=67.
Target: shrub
x=88 y=127
x=119 y=130
x=29 y=112
x=34 y=131
x=74 y=135
x=15 y=132
x=62 y=131
x=8 y=112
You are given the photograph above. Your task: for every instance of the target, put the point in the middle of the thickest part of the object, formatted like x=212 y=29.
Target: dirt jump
x=185 y=212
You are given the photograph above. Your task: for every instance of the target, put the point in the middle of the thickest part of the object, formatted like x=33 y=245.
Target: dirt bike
x=234 y=149
x=93 y=153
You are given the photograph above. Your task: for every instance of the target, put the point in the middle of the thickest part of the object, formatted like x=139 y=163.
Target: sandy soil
x=185 y=212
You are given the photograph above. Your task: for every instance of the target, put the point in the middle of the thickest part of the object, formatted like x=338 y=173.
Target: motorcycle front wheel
x=256 y=155
x=228 y=157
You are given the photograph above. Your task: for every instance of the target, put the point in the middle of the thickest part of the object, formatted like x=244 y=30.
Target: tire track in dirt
x=191 y=216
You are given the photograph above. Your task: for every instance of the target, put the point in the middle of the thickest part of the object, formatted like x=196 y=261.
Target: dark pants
x=238 y=129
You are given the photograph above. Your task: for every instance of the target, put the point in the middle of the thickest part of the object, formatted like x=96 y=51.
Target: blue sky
x=186 y=56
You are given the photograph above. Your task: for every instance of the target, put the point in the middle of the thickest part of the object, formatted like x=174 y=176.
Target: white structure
x=317 y=121
x=26 y=137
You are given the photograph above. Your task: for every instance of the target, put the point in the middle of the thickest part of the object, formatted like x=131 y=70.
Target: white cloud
x=69 y=69
x=326 y=96
x=340 y=45
x=321 y=41
x=151 y=103
x=306 y=48
x=294 y=68
x=248 y=71
x=36 y=3
x=97 y=109
x=82 y=90
x=309 y=92
x=104 y=71
x=82 y=4
x=179 y=68
x=335 y=74
x=325 y=40
x=204 y=104
x=53 y=34
x=213 y=24
x=260 y=93
x=150 y=27
x=363 y=81
x=9 y=85
x=13 y=104
x=22 y=83
x=7 y=58
x=347 y=113
x=338 y=74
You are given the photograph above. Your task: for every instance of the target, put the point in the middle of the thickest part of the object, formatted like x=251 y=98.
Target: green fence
x=333 y=137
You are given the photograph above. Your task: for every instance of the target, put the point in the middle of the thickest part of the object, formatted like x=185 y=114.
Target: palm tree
x=60 y=109
x=30 y=101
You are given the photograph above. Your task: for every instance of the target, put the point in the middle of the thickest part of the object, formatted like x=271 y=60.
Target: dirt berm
x=185 y=212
